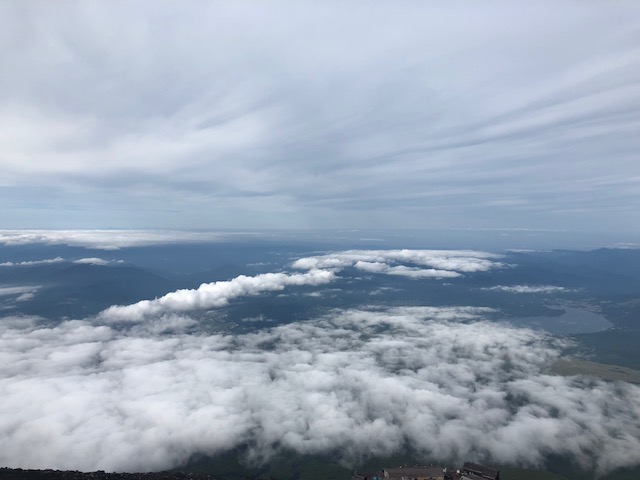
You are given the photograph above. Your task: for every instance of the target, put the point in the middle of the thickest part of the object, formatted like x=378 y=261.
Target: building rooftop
x=481 y=471
x=413 y=472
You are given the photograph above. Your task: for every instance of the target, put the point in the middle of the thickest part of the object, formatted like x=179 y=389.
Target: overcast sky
x=405 y=114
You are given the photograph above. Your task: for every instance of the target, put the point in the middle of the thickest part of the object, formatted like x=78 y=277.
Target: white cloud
x=361 y=382
x=442 y=263
x=25 y=297
x=403 y=271
x=16 y=290
x=213 y=295
x=30 y=263
x=95 y=261
x=22 y=293
x=156 y=388
x=109 y=239
x=321 y=270
x=529 y=288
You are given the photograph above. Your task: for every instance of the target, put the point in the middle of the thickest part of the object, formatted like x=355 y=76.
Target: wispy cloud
x=108 y=239
x=47 y=261
x=29 y=263
x=95 y=261
x=17 y=290
x=529 y=288
x=19 y=293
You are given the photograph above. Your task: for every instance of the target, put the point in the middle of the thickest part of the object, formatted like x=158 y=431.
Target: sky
x=282 y=114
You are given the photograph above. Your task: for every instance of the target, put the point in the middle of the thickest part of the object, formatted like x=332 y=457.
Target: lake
x=574 y=320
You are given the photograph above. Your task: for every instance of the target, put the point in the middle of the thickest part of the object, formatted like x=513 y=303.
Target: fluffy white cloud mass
x=142 y=387
x=358 y=382
x=321 y=270
x=408 y=263
x=213 y=295
x=529 y=288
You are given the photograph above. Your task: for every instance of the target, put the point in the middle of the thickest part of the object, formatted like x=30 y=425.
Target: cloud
x=92 y=261
x=321 y=270
x=22 y=293
x=108 y=239
x=213 y=295
x=443 y=263
x=96 y=261
x=30 y=263
x=145 y=386
x=16 y=290
x=529 y=288
x=353 y=383
x=625 y=246
x=416 y=117
x=401 y=270
x=25 y=297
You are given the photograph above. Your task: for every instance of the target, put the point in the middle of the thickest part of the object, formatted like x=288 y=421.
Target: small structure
x=469 y=471
x=367 y=476
x=475 y=471
x=414 y=473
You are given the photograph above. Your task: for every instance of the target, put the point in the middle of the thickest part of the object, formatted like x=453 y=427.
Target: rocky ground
x=20 y=474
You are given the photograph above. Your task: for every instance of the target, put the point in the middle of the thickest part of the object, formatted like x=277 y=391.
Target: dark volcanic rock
x=20 y=474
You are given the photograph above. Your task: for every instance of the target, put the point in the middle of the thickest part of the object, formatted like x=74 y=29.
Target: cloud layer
x=48 y=261
x=321 y=270
x=354 y=383
x=407 y=263
x=144 y=387
x=16 y=290
x=109 y=239
x=30 y=263
x=306 y=114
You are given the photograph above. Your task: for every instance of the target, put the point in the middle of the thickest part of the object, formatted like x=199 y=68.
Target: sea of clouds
x=141 y=387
